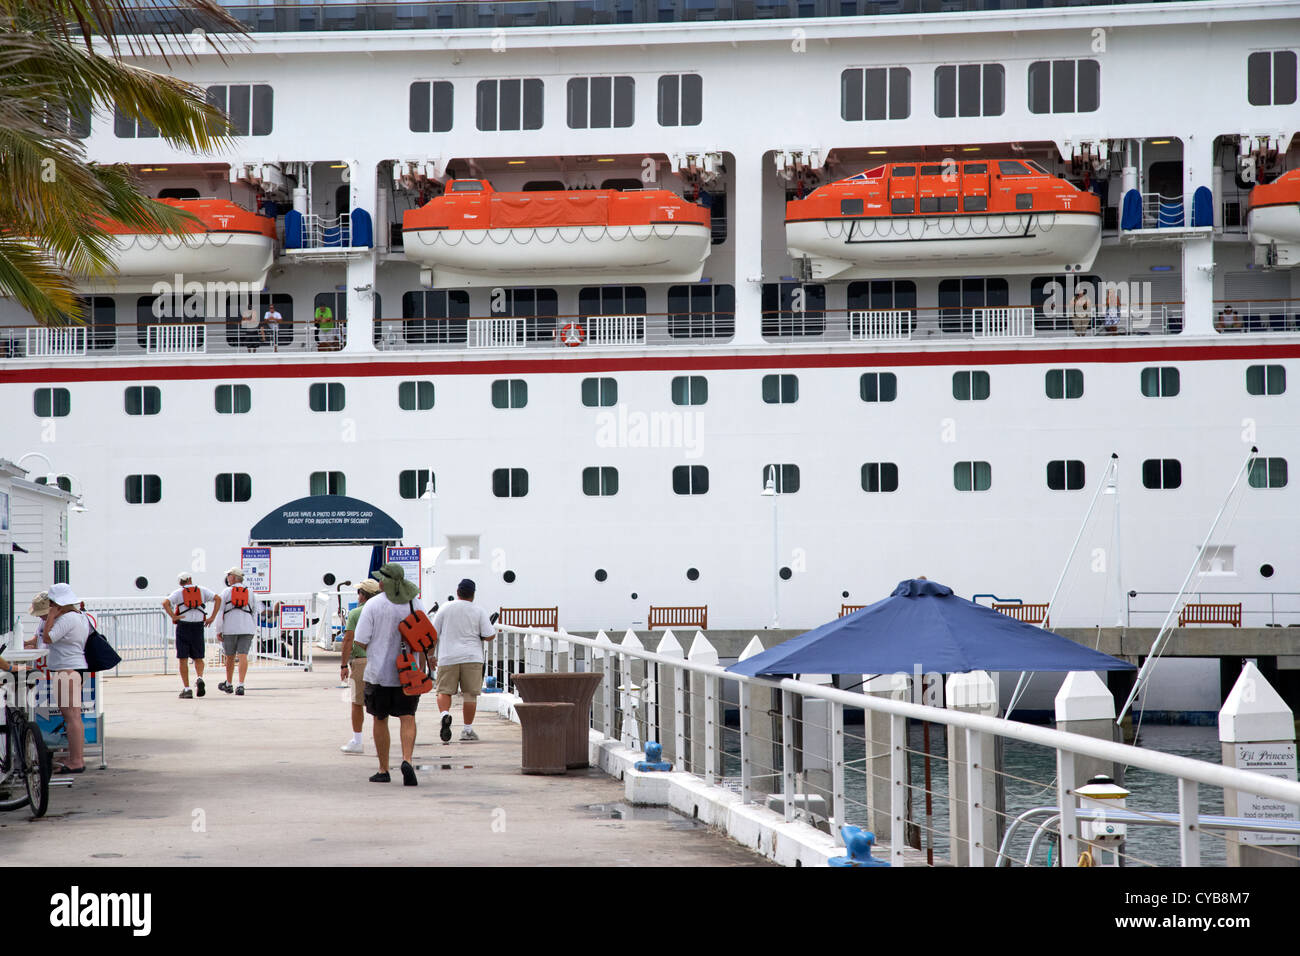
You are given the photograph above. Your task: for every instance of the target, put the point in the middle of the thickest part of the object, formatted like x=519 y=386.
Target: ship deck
x=259 y=780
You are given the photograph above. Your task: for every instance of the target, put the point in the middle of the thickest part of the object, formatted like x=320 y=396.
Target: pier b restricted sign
x=409 y=559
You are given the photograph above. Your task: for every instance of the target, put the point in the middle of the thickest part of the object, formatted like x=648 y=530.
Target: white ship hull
x=919 y=246
x=561 y=254
x=143 y=261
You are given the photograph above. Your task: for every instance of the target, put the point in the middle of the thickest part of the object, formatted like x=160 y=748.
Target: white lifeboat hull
x=1278 y=226
x=144 y=260
x=662 y=252
x=921 y=246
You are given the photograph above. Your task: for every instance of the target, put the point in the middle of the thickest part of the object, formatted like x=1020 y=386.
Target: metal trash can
x=545 y=731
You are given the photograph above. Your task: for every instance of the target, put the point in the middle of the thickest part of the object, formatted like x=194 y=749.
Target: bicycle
x=24 y=760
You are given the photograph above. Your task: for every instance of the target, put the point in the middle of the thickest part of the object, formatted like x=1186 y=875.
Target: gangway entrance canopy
x=326 y=519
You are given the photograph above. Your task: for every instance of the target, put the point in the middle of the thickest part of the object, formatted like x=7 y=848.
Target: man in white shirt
x=187 y=607
x=271 y=323
x=236 y=627
x=377 y=632
x=462 y=628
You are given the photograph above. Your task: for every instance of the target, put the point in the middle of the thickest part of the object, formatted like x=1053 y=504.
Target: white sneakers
x=353 y=747
x=468 y=734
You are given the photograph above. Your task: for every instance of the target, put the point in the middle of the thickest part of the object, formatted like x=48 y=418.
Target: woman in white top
x=66 y=630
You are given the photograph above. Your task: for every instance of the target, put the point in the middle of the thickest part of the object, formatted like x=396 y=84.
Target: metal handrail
x=1063 y=742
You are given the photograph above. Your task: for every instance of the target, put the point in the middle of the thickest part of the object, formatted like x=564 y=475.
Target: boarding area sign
x=256 y=565
x=1275 y=760
x=409 y=559
x=325 y=519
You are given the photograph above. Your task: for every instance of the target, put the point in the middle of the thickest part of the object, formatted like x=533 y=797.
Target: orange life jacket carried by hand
x=414 y=680
x=417 y=631
x=191 y=599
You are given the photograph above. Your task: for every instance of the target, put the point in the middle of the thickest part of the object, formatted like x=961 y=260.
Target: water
x=1029 y=781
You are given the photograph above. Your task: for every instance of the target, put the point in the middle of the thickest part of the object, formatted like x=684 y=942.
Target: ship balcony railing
x=1256 y=315
x=1258 y=608
x=1232 y=216
x=791 y=746
x=632 y=330
x=1162 y=212
x=289 y=17
x=197 y=337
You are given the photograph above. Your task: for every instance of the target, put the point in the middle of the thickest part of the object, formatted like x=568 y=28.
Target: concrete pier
x=259 y=780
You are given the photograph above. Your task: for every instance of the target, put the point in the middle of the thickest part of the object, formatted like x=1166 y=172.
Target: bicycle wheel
x=13 y=792
x=36 y=759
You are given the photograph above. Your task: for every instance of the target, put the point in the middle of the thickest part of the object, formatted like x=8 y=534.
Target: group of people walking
x=235 y=612
x=372 y=641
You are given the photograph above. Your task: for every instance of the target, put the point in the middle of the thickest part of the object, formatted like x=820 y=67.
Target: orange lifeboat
x=948 y=218
x=1273 y=219
x=228 y=244
x=475 y=236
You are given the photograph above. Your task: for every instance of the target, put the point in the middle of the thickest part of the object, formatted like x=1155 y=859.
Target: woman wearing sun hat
x=66 y=630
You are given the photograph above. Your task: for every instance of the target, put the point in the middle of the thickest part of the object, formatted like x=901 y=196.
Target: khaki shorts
x=468 y=677
x=358 y=665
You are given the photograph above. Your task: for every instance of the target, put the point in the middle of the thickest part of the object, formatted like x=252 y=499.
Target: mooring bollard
x=653 y=759
x=858 y=843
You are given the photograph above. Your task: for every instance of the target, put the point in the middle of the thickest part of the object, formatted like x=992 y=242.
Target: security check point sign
x=256 y=565
x=408 y=558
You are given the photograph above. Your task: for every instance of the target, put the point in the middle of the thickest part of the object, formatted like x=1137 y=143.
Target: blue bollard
x=653 y=753
x=858 y=843
x=490 y=685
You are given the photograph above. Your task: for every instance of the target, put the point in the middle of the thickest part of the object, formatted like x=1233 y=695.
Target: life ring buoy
x=573 y=334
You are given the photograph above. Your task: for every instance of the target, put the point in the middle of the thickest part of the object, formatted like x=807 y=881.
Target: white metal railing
x=1005 y=323
x=174 y=339
x=689 y=686
x=325 y=232
x=1162 y=212
x=615 y=329
x=60 y=342
x=497 y=333
x=887 y=325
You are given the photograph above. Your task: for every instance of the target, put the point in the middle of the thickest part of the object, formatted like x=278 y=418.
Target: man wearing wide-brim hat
x=377 y=632
x=236 y=627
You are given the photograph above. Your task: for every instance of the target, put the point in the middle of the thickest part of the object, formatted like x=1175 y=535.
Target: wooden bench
x=697 y=617
x=541 y=617
x=846 y=609
x=1029 y=613
x=1229 y=614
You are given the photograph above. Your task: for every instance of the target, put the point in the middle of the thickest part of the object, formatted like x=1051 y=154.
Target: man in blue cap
x=462 y=628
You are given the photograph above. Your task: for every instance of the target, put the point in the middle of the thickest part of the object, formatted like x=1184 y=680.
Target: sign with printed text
x=256 y=565
x=409 y=559
x=293 y=617
x=1275 y=760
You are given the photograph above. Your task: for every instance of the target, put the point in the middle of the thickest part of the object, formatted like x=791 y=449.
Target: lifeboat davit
x=228 y=244
x=1273 y=218
x=907 y=220
x=475 y=236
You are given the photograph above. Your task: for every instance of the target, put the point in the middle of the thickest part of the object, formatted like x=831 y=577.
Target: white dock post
x=753 y=700
x=879 y=767
x=837 y=772
x=701 y=652
x=1084 y=705
x=1066 y=782
x=758 y=735
x=606 y=658
x=976 y=812
x=563 y=653
x=634 y=676
x=669 y=689
x=897 y=787
x=1189 y=836
x=972 y=693
x=1257 y=732
x=787 y=754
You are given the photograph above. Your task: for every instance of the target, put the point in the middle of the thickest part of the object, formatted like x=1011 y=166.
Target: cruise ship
x=604 y=272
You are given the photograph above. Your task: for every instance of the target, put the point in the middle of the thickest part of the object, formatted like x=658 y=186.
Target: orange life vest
x=191 y=599
x=414 y=681
x=417 y=631
x=238 y=601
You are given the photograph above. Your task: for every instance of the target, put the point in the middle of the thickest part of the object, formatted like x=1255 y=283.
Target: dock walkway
x=259 y=781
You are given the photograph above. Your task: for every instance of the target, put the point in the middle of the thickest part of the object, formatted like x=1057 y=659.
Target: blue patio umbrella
x=923 y=624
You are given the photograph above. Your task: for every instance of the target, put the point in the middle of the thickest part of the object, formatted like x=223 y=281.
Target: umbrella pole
x=929 y=823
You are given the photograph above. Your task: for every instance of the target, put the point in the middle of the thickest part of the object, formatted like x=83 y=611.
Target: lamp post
x=52 y=478
x=430 y=496
x=769 y=491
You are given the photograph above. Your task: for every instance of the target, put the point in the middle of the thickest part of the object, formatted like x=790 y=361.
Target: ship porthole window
x=508 y=577
x=844 y=594
x=601 y=574
x=692 y=574
x=633 y=595
x=328 y=579
x=786 y=574
x=142 y=582
x=1266 y=570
